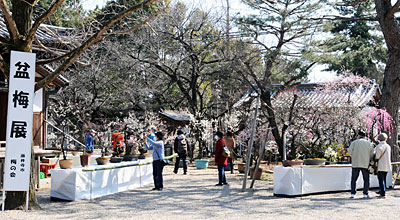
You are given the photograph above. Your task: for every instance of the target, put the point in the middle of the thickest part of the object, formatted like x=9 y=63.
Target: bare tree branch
x=92 y=40
x=4 y=67
x=42 y=18
x=334 y=17
x=11 y=26
x=394 y=9
x=135 y=27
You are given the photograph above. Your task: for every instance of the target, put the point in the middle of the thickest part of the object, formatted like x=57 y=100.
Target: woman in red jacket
x=220 y=160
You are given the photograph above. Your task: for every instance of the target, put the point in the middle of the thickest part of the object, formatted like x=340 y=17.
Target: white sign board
x=19 y=121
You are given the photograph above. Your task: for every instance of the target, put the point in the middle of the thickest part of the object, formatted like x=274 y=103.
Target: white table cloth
x=296 y=181
x=100 y=180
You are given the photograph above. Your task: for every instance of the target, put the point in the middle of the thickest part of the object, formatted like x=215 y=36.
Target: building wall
x=3 y=114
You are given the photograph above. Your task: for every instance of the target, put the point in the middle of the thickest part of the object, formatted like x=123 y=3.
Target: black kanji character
x=13 y=168
x=22 y=169
x=13 y=161
x=22 y=98
x=18 y=129
x=12 y=174
x=25 y=66
x=22 y=155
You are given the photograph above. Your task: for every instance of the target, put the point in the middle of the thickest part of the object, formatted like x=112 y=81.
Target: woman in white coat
x=382 y=155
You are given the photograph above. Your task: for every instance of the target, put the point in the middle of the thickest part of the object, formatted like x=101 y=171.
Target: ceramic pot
x=258 y=173
x=314 y=162
x=116 y=159
x=102 y=161
x=241 y=167
x=85 y=160
x=66 y=164
x=290 y=163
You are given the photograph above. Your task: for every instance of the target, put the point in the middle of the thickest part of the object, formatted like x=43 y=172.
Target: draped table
x=100 y=180
x=304 y=180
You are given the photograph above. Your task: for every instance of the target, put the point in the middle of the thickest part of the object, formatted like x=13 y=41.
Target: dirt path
x=194 y=196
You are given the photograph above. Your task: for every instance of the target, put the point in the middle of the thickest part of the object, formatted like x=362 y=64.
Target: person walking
x=361 y=152
x=157 y=146
x=382 y=155
x=220 y=160
x=230 y=143
x=180 y=147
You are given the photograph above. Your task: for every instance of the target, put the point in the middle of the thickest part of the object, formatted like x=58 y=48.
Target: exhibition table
x=100 y=180
x=303 y=180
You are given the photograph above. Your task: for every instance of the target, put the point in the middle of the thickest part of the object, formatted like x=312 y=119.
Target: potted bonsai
x=65 y=163
x=84 y=158
x=103 y=160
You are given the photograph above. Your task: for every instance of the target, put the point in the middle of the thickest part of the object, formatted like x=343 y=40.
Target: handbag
x=225 y=151
x=164 y=162
x=373 y=164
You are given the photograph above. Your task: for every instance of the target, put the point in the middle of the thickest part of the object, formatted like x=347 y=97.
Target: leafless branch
x=42 y=18
x=89 y=42
x=393 y=10
x=11 y=26
x=333 y=17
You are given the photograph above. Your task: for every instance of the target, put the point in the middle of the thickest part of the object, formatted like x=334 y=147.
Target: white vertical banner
x=19 y=121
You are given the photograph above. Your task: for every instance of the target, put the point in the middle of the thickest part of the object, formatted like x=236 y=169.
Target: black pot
x=130 y=157
x=116 y=159
x=314 y=162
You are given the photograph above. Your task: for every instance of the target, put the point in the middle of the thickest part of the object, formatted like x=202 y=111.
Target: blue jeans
x=221 y=174
x=355 y=172
x=157 y=174
x=382 y=182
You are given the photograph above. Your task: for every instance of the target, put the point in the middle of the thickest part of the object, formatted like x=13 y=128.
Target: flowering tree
x=329 y=114
x=377 y=121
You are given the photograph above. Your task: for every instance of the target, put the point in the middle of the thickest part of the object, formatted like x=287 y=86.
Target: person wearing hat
x=89 y=143
x=157 y=146
x=382 y=155
x=220 y=160
x=361 y=152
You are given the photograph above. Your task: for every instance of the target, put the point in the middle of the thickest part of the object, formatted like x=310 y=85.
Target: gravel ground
x=194 y=196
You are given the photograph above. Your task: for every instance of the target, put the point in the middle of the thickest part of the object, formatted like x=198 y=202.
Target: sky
x=317 y=74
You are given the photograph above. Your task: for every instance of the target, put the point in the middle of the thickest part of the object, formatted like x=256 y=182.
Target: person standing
x=157 y=146
x=361 y=152
x=382 y=155
x=89 y=142
x=220 y=160
x=230 y=143
x=180 y=147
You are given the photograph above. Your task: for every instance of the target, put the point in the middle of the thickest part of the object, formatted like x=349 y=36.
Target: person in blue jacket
x=157 y=146
x=89 y=143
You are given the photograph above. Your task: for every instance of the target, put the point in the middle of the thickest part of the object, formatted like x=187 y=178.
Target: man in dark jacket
x=180 y=147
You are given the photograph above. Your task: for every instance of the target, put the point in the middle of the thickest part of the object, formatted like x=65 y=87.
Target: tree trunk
x=17 y=200
x=266 y=97
x=390 y=97
x=391 y=82
x=23 y=21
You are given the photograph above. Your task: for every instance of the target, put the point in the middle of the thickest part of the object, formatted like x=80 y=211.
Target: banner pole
x=27 y=200
x=4 y=200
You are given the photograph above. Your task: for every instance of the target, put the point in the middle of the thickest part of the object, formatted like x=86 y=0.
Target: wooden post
x=246 y=172
x=260 y=153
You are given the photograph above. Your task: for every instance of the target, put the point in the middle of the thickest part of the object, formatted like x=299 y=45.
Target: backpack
x=182 y=148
